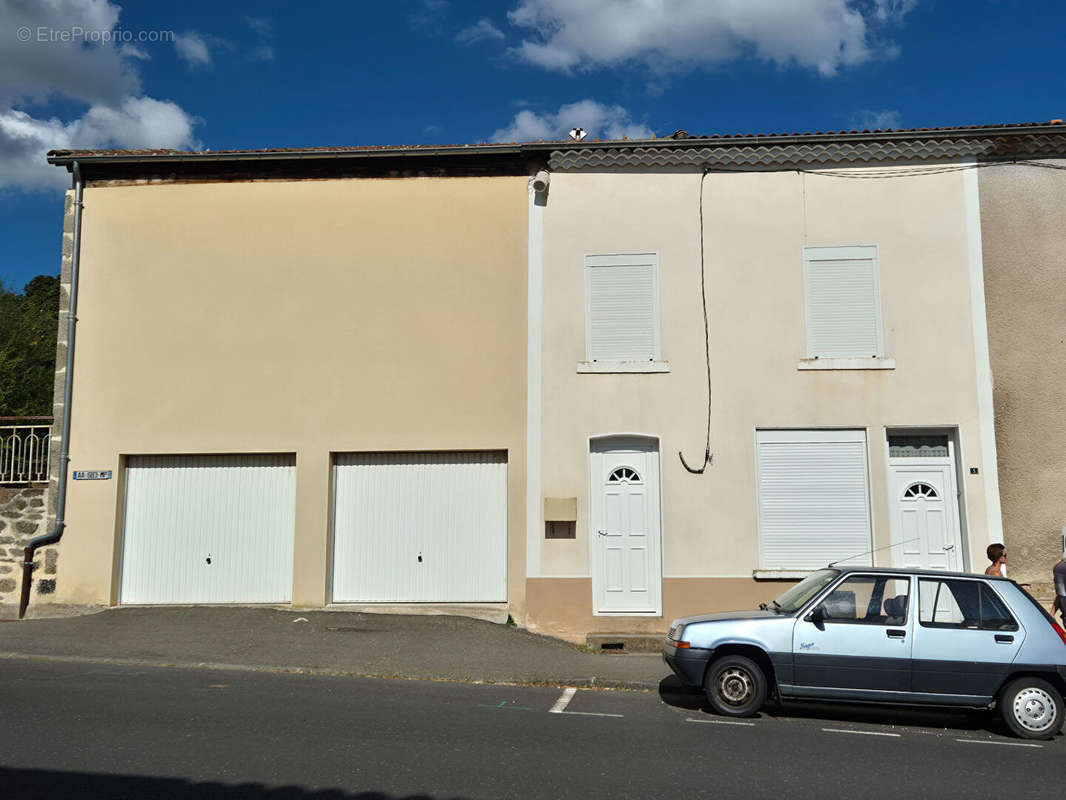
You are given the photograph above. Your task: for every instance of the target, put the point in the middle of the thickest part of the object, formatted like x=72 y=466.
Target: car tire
x=735 y=686
x=1032 y=708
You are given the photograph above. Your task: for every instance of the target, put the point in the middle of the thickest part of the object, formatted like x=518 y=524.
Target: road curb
x=581 y=683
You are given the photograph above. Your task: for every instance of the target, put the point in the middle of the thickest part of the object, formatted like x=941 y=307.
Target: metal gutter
x=68 y=381
x=60 y=159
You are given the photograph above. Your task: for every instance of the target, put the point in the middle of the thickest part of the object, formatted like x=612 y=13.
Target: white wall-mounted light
x=541 y=181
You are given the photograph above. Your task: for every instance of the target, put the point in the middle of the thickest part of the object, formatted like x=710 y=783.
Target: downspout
x=68 y=381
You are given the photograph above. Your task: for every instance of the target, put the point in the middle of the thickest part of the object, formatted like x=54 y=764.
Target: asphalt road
x=98 y=730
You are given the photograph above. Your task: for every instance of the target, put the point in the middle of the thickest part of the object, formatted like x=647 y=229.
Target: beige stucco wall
x=1024 y=242
x=756 y=226
x=308 y=317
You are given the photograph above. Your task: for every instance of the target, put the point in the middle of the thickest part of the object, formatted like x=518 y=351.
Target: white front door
x=625 y=539
x=925 y=516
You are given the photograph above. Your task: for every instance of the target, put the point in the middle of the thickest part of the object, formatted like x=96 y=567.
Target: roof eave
x=66 y=158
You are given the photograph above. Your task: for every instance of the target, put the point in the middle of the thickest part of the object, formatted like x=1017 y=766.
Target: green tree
x=28 y=324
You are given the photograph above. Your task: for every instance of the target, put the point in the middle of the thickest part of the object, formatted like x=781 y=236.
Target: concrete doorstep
x=342 y=643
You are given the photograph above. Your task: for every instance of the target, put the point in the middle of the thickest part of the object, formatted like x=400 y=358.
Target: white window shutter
x=622 y=307
x=843 y=304
x=813 y=494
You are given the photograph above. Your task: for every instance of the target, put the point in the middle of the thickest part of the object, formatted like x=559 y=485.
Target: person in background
x=1060 y=587
x=997 y=554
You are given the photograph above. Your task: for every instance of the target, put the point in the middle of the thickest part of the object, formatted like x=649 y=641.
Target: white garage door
x=208 y=529
x=814 y=498
x=420 y=528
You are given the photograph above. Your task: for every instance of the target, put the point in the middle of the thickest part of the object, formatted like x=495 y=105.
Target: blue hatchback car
x=862 y=634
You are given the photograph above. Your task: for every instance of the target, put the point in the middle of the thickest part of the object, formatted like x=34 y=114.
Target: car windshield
x=796 y=597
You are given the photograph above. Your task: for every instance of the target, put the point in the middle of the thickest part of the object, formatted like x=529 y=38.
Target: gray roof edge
x=65 y=158
x=778 y=143
x=1048 y=141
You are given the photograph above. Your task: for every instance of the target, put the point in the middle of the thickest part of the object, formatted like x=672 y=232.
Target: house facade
x=300 y=389
x=1023 y=241
x=491 y=377
x=850 y=397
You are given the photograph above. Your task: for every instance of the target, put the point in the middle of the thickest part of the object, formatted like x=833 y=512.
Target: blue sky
x=287 y=74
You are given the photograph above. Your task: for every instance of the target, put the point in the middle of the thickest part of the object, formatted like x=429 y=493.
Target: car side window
x=994 y=614
x=961 y=604
x=868 y=600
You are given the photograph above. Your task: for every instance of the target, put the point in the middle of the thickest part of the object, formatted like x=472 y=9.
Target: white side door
x=626 y=540
x=925 y=517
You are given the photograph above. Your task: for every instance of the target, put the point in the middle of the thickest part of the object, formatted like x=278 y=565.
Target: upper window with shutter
x=843 y=302
x=622 y=307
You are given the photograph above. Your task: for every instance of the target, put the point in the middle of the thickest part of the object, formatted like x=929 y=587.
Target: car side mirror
x=817 y=616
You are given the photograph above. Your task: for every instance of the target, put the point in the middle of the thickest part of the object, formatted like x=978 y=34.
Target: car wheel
x=735 y=686
x=1032 y=708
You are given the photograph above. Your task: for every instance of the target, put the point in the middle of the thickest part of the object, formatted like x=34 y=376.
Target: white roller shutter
x=813 y=494
x=420 y=527
x=622 y=314
x=208 y=529
x=843 y=303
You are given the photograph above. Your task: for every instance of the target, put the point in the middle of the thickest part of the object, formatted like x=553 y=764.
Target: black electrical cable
x=707 y=457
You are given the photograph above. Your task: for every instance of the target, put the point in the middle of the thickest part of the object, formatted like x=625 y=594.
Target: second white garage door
x=420 y=528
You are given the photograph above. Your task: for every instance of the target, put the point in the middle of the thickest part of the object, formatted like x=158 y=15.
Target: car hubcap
x=1034 y=709
x=735 y=686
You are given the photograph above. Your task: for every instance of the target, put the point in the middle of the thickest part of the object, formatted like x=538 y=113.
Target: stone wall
x=24 y=513
x=29 y=511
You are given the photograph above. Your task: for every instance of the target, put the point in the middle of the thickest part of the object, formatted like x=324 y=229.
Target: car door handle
x=894 y=633
x=1003 y=638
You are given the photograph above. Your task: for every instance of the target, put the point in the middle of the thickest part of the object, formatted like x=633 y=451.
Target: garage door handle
x=1003 y=638
x=893 y=633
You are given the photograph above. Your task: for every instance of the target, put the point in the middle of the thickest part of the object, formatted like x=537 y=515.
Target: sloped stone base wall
x=24 y=513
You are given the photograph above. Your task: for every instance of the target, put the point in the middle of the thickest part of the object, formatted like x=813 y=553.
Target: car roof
x=933 y=573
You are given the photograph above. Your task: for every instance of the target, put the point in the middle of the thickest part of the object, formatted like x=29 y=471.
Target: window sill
x=846 y=363
x=781 y=574
x=622 y=366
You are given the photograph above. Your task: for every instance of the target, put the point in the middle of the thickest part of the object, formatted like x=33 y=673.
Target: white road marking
x=861 y=733
x=590 y=714
x=721 y=722
x=563 y=701
x=1005 y=744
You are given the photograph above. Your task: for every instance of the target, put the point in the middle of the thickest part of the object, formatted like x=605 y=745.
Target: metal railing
x=24 y=448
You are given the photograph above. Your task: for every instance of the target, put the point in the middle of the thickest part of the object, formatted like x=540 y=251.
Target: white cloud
x=100 y=77
x=34 y=70
x=260 y=25
x=132 y=51
x=192 y=49
x=868 y=119
x=428 y=13
x=263 y=52
x=480 y=31
x=669 y=35
x=138 y=122
x=599 y=120
x=893 y=10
